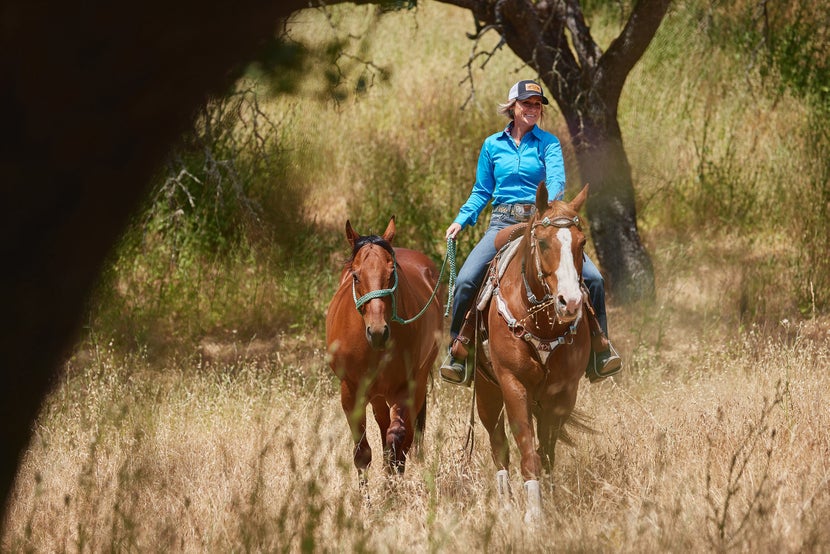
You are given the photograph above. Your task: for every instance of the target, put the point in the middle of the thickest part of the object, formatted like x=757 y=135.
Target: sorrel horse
x=381 y=357
x=537 y=343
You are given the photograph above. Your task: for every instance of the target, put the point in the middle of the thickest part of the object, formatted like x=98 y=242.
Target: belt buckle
x=523 y=211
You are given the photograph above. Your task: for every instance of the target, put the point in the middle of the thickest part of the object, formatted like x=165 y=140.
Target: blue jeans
x=475 y=266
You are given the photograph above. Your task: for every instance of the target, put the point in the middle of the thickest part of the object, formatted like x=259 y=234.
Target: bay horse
x=537 y=343
x=380 y=357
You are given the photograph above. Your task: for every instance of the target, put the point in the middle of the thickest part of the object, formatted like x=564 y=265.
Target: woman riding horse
x=511 y=165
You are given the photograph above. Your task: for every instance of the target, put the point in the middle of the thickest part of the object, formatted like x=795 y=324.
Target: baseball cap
x=524 y=90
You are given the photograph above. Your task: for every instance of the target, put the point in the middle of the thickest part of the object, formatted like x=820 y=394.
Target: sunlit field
x=198 y=414
x=704 y=444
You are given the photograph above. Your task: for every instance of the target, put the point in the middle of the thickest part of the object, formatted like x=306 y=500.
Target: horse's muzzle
x=567 y=311
x=377 y=336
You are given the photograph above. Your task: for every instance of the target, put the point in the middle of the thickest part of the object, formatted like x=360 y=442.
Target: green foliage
x=282 y=63
x=813 y=223
x=243 y=236
x=226 y=216
x=338 y=59
x=786 y=41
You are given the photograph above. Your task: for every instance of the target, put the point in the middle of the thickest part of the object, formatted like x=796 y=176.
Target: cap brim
x=531 y=95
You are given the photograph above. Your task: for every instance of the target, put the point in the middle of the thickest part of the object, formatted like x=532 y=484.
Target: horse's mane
x=369 y=239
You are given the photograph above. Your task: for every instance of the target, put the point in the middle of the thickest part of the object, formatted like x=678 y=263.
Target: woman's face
x=527 y=113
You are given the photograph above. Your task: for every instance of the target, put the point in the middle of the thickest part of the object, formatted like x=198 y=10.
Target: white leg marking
x=503 y=486
x=533 y=513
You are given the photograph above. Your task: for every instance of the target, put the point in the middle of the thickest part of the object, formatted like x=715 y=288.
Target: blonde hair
x=507 y=110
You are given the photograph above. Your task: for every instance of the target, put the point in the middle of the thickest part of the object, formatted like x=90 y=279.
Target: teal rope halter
x=380 y=293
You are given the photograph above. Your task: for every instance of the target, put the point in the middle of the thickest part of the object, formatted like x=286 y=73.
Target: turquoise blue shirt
x=507 y=174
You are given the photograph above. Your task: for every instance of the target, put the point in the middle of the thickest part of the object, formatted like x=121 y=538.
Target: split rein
x=449 y=258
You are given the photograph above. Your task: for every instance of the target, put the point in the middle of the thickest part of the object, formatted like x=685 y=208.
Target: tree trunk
x=612 y=212
x=554 y=39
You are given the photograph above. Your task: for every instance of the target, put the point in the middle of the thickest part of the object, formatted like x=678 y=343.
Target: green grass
x=245 y=233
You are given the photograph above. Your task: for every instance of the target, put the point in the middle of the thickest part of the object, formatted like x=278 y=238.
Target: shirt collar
x=533 y=130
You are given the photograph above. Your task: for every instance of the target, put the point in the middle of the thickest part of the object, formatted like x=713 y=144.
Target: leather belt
x=520 y=212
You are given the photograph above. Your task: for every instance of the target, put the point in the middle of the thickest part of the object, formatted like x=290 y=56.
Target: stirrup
x=603 y=365
x=455 y=371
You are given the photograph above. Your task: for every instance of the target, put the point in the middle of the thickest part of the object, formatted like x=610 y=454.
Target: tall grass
x=198 y=414
x=255 y=456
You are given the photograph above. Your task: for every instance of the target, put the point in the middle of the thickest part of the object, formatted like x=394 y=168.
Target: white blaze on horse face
x=566 y=277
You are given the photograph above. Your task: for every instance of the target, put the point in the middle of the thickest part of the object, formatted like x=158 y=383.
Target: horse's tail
x=578 y=421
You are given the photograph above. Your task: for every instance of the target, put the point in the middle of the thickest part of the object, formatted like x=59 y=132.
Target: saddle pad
x=501 y=260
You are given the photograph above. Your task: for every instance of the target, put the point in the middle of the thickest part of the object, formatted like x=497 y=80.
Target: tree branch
x=587 y=50
x=628 y=48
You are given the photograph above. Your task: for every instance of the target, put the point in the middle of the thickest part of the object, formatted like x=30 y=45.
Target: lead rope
x=453 y=274
x=449 y=257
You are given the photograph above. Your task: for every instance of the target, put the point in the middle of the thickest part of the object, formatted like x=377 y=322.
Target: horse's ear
x=389 y=234
x=351 y=234
x=579 y=200
x=541 y=198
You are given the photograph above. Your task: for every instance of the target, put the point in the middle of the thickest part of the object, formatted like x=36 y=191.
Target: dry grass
x=716 y=443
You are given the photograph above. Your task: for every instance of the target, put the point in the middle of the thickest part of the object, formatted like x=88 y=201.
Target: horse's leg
x=550 y=422
x=548 y=428
x=400 y=434
x=489 y=403
x=521 y=424
x=356 y=416
x=381 y=413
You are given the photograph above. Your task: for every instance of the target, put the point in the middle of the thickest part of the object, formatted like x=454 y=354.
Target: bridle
x=380 y=293
x=542 y=346
x=549 y=297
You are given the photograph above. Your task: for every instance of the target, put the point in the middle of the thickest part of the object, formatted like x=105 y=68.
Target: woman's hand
x=453 y=230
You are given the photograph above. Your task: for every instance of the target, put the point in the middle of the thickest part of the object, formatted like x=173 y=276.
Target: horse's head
x=555 y=245
x=374 y=280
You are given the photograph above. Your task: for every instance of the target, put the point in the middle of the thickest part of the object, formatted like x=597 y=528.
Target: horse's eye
x=355 y=278
x=544 y=246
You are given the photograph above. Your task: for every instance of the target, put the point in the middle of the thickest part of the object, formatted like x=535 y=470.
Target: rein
x=380 y=293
